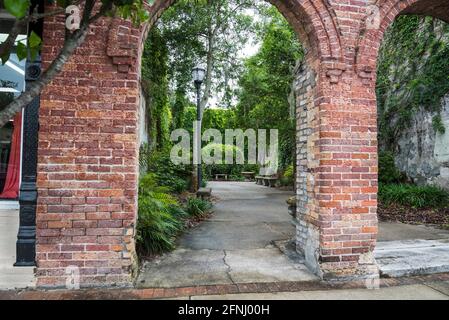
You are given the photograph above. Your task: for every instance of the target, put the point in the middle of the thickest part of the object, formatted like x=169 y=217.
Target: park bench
x=249 y=175
x=223 y=176
x=268 y=181
x=204 y=193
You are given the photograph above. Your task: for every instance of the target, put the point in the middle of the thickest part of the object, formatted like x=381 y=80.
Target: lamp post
x=198 y=74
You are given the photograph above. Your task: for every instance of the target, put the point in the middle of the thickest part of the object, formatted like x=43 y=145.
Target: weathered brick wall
x=307 y=233
x=88 y=148
x=87 y=164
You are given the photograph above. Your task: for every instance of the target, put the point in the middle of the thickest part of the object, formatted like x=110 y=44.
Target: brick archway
x=88 y=150
x=314 y=22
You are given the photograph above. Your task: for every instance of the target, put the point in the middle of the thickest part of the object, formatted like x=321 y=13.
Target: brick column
x=87 y=165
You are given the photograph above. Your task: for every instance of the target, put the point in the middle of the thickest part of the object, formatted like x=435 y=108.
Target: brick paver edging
x=157 y=293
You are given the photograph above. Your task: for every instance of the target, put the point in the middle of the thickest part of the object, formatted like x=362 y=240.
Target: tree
x=209 y=31
x=26 y=11
x=265 y=85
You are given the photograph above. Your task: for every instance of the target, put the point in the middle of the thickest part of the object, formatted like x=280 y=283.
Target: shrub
x=288 y=178
x=197 y=207
x=231 y=169
x=168 y=174
x=160 y=218
x=388 y=173
x=236 y=177
x=203 y=183
x=413 y=196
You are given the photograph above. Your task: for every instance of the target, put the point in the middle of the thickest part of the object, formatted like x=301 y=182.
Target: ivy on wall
x=413 y=73
x=155 y=86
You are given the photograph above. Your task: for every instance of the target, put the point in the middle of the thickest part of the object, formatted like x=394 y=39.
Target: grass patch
x=413 y=196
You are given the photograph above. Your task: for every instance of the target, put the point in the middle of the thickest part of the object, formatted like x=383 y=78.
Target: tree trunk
x=209 y=70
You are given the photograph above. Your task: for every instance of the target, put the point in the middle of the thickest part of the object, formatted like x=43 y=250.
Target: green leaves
x=34 y=44
x=5 y=57
x=411 y=75
x=410 y=195
x=18 y=8
x=34 y=40
x=134 y=10
x=21 y=51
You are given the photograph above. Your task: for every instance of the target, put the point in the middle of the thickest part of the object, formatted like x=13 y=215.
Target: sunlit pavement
x=12 y=277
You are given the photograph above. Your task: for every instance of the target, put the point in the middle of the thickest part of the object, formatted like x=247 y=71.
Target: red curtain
x=11 y=188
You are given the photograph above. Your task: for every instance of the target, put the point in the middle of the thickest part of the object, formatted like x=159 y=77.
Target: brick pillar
x=87 y=164
x=347 y=179
x=337 y=173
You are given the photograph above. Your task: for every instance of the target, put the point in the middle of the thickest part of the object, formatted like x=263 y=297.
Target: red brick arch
x=368 y=47
x=88 y=148
x=88 y=142
x=314 y=22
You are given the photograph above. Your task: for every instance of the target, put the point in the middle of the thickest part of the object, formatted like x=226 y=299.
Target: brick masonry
x=88 y=150
x=165 y=293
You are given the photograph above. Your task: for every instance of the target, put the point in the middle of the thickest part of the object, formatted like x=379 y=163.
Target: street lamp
x=198 y=74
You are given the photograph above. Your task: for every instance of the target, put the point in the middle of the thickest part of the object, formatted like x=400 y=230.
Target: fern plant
x=160 y=217
x=197 y=207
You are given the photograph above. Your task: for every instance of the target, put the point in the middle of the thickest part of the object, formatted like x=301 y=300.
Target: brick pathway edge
x=158 y=293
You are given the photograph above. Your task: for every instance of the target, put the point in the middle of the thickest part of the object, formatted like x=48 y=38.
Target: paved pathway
x=439 y=291
x=235 y=245
x=12 y=277
x=422 y=287
x=405 y=249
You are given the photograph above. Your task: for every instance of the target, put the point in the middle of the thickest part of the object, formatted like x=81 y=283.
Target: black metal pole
x=26 y=237
x=198 y=118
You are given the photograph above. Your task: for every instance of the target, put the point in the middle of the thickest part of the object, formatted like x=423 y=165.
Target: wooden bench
x=224 y=176
x=268 y=181
x=249 y=175
x=204 y=193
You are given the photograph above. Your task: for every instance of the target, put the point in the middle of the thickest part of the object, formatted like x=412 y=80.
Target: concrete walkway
x=12 y=277
x=437 y=291
x=235 y=245
x=407 y=250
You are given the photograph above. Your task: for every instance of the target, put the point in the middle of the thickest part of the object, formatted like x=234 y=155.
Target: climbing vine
x=155 y=85
x=412 y=74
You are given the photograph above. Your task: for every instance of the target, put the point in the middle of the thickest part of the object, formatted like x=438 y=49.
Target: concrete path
x=406 y=250
x=12 y=277
x=235 y=245
x=412 y=292
x=412 y=257
x=397 y=231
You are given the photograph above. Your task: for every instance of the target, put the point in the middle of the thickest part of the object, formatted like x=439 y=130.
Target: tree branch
x=36 y=87
x=75 y=39
x=8 y=44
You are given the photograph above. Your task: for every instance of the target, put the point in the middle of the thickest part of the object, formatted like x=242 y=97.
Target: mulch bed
x=395 y=212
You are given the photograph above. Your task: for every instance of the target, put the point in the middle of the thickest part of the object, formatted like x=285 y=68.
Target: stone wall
x=411 y=85
x=423 y=153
